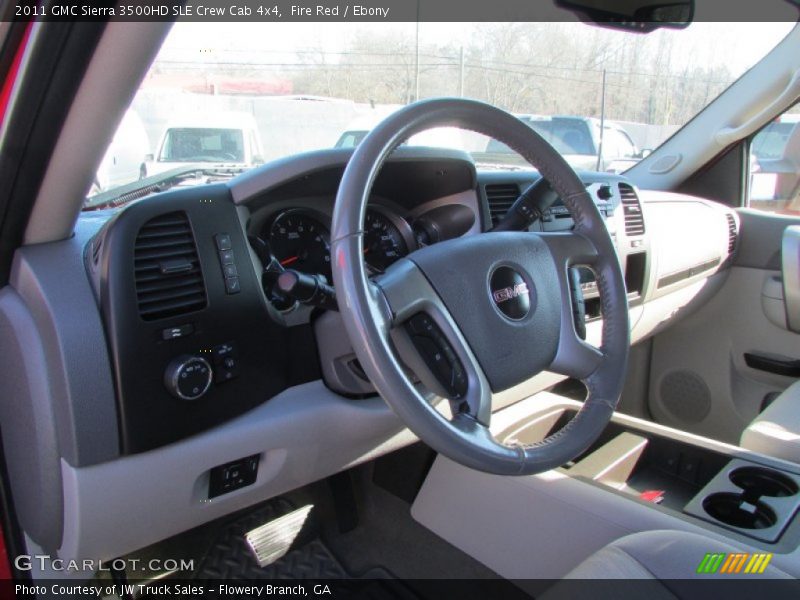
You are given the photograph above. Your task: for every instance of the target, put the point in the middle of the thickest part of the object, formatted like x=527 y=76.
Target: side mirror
x=149 y=158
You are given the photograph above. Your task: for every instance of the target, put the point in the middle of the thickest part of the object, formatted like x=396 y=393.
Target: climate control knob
x=188 y=377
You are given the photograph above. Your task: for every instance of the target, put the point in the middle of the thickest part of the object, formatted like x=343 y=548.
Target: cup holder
x=727 y=508
x=757 y=482
x=759 y=502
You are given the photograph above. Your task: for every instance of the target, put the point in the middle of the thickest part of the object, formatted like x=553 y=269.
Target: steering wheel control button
x=226 y=362
x=510 y=293
x=421 y=324
x=233 y=475
x=188 y=377
x=438 y=355
x=223 y=241
x=171 y=333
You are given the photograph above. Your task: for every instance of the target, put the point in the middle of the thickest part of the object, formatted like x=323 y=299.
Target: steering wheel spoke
x=574 y=357
x=431 y=344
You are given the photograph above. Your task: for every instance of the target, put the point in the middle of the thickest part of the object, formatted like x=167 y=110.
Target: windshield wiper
x=158 y=183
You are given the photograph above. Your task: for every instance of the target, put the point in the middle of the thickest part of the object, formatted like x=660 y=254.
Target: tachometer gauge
x=384 y=242
x=300 y=241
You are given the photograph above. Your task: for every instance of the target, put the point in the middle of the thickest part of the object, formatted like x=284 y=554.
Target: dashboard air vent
x=733 y=234
x=169 y=280
x=632 y=209
x=500 y=197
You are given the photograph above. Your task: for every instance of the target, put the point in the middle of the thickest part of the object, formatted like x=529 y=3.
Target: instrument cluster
x=299 y=239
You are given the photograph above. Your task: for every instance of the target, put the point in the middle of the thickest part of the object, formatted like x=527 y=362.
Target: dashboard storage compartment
x=753 y=500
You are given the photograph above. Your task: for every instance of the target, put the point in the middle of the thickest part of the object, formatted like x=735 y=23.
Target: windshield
x=262 y=91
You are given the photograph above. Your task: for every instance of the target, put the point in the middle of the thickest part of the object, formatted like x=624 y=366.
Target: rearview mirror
x=635 y=15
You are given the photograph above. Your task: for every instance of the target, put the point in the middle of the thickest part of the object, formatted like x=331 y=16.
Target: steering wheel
x=496 y=306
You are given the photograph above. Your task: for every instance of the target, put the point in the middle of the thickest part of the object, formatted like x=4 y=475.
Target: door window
x=775 y=165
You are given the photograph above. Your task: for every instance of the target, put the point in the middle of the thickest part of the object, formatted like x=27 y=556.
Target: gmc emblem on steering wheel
x=510 y=293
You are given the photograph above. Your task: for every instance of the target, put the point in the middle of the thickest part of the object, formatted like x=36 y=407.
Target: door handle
x=779 y=366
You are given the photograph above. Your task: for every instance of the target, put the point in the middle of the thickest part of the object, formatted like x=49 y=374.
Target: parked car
x=440 y=137
x=228 y=139
x=577 y=139
x=775 y=165
x=124 y=161
x=351 y=138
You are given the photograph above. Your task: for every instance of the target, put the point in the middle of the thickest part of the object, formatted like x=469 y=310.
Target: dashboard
x=199 y=331
x=172 y=360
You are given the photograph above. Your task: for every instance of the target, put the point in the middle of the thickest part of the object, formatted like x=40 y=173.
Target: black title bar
x=359 y=11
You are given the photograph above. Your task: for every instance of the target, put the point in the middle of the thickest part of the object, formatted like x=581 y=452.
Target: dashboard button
x=188 y=377
x=222 y=351
x=226 y=362
x=223 y=241
x=230 y=271
x=226 y=257
x=233 y=475
x=171 y=333
x=232 y=285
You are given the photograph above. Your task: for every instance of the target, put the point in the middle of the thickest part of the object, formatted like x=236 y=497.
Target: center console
x=749 y=498
x=638 y=476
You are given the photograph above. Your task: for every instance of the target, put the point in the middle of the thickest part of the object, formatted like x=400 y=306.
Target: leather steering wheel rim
x=462 y=304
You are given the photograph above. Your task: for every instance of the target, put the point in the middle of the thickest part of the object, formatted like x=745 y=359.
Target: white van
x=227 y=139
x=124 y=161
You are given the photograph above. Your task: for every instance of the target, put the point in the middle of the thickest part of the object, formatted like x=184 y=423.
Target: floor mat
x=231 y=559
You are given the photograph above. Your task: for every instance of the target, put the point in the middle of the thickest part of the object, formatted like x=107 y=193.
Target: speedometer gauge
x=384 y=242
x=300 y=241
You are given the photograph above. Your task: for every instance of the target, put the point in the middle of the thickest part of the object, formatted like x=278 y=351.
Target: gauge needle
x=288 y=261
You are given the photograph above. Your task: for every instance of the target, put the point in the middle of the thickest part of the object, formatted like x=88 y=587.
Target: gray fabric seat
x=660 y=565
